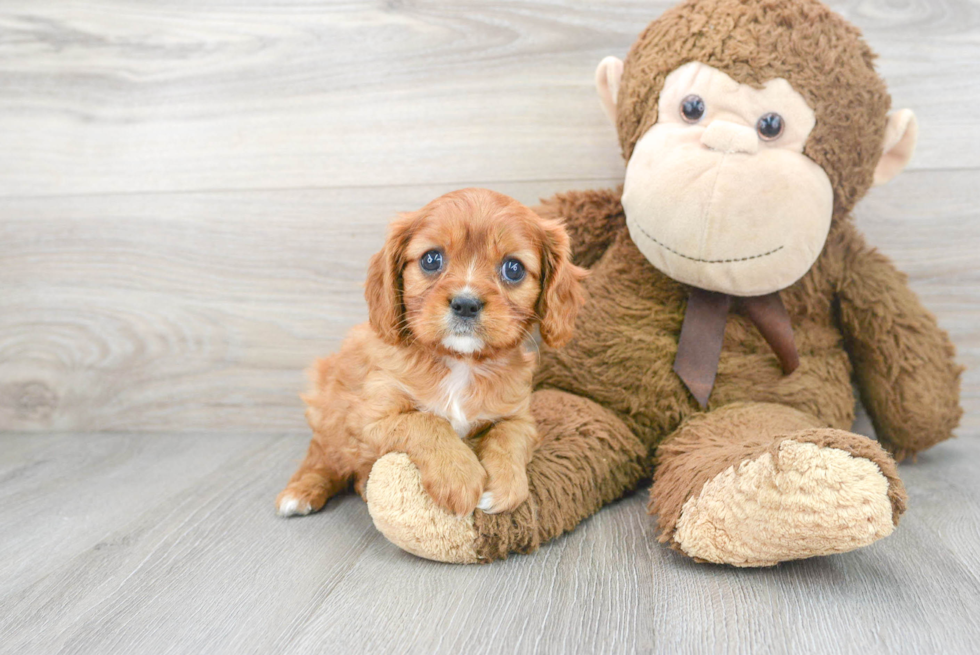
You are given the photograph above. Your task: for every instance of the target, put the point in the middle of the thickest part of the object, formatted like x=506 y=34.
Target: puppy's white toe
x=486 y=502
x=290 y=506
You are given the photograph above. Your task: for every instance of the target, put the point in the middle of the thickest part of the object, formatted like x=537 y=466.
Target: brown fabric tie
x=703 y=332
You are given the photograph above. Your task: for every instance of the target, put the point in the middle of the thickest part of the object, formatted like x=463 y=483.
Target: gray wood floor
x=122 y=543
x=189 y=192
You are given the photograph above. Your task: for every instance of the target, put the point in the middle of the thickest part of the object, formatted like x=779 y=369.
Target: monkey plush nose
x=728 y=137
x=466 y=306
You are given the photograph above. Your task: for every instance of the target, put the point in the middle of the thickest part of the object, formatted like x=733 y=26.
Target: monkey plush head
x=748 y=127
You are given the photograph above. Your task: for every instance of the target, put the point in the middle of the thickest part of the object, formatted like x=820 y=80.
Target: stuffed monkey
x=732 y=300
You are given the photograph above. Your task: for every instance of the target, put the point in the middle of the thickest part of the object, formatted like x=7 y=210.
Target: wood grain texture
x=140 y=95
x=169 y=544
x=189 y=193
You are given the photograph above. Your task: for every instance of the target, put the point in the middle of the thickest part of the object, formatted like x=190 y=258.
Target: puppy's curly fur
x=429 y=376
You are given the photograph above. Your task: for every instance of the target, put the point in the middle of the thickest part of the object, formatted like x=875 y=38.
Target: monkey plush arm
x=592 y=219
x=908 y=379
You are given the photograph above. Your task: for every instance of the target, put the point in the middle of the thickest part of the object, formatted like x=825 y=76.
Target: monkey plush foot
x=770 y=498
x=802 y=501
x=410 y=519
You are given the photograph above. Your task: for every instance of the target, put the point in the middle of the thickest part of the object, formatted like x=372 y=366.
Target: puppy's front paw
x=504 y=494
x=455 y=483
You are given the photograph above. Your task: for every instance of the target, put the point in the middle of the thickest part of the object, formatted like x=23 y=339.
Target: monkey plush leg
x=754 y=484
x=586 y=458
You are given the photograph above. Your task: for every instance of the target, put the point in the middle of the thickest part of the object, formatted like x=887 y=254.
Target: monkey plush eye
x=431 y=262
x=692 y=108
x=770 y=126
x=512 y=271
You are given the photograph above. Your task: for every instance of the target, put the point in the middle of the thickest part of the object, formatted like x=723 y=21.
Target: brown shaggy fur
x=610 y=401
x=585 y=460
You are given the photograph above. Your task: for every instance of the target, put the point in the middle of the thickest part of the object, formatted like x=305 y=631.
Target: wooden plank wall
x=189 y=191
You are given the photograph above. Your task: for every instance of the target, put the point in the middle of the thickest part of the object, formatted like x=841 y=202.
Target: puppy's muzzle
x=466 y=307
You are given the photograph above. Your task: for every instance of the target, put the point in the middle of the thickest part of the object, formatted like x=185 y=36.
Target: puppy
x=441 y=364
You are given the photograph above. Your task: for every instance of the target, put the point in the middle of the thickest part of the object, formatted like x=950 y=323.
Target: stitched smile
x=706 y=261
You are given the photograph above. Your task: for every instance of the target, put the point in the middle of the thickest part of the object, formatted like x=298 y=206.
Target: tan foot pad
x=806 y=501
x=408 y=517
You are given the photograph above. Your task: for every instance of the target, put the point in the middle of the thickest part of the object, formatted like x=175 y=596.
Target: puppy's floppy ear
x=561 y=292
x=383 y=289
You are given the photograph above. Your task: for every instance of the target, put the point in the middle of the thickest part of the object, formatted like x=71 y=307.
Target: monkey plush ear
x=607 y=77
x=901 y=133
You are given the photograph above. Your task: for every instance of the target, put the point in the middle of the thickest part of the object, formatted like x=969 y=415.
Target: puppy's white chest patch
x=452 y=398
x=452 y=402
x=455 y=388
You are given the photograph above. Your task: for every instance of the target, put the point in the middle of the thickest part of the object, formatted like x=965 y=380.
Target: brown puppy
x=452 y=298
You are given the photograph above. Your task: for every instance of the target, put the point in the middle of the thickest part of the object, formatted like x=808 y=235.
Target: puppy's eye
x=431 y=262
x=692 y=108
x=770 y=126
x=512 y=270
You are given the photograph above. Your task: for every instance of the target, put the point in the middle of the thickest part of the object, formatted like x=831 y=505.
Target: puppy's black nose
x=466 y=306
